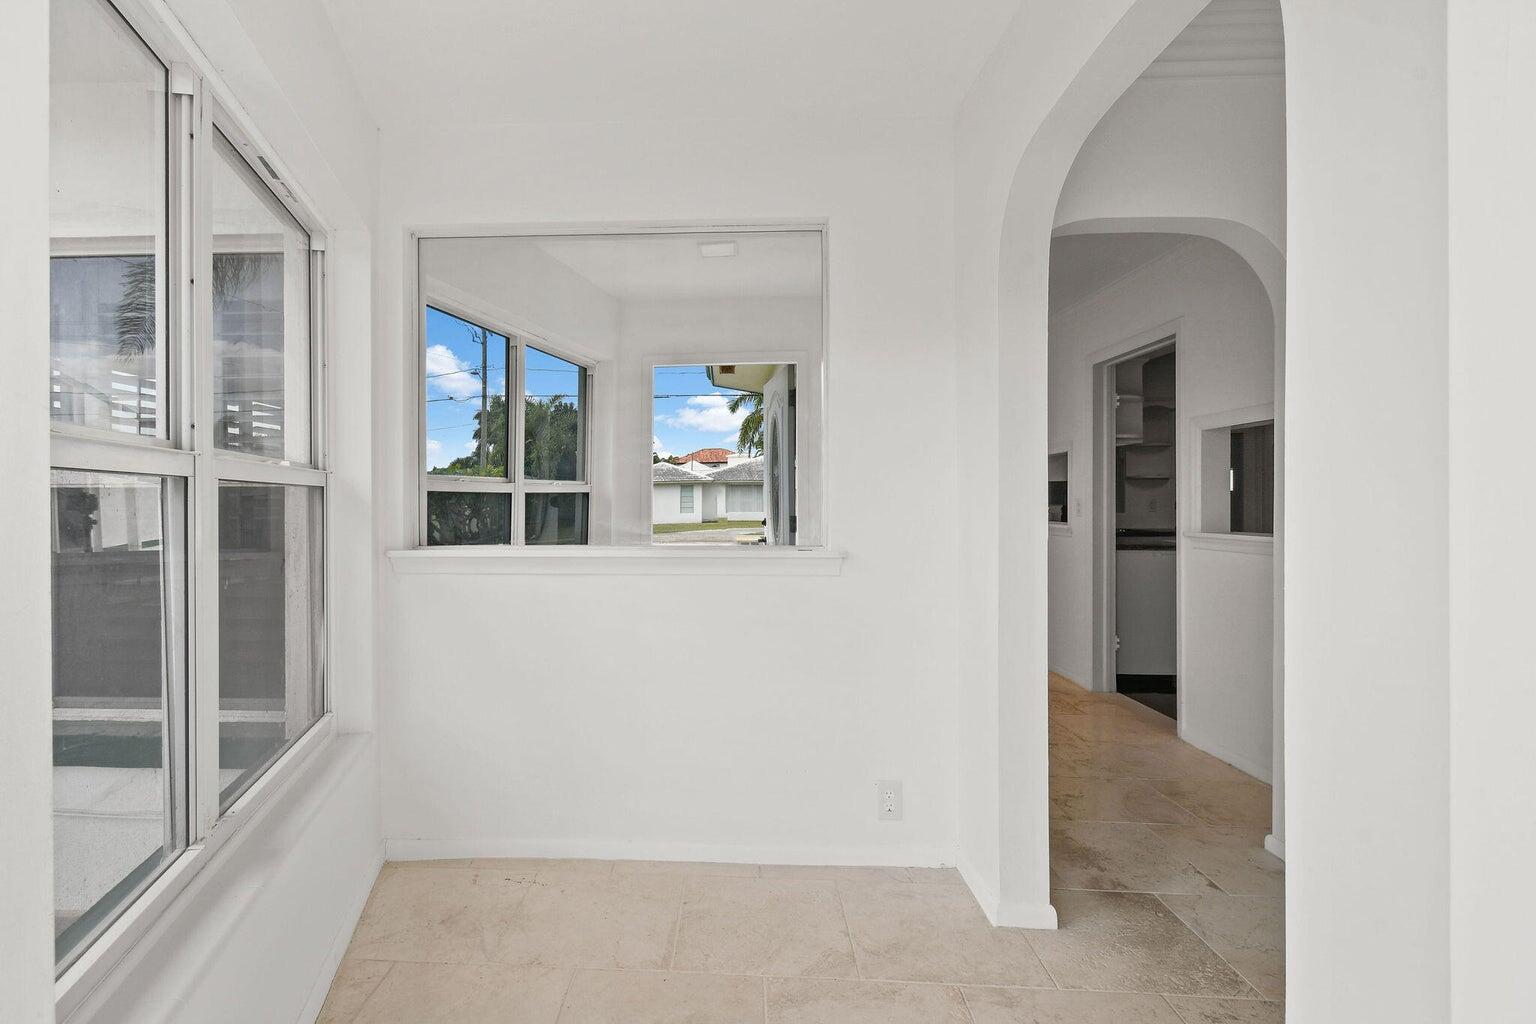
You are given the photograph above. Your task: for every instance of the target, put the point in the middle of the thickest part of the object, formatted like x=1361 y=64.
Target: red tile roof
x=707 y=455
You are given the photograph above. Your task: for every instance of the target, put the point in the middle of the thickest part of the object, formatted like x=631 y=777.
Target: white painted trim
x=1060 y=529
x=1275 y=845
x=403 y=849
x=999 y=914
x=579 y=560
x=195 y=865
x=343 y=939
x=1234 y=543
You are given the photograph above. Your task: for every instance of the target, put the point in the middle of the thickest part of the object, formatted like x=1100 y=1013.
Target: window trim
x=197 y=102
x=515 y=483
x=1199 y=426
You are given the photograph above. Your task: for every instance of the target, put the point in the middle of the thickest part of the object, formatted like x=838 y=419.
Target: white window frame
x=198 y=103
x=515 y=483
x=1208 y=443
x=685 y=493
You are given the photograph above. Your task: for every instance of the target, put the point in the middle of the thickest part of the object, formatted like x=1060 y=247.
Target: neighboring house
x=695 y=494
x=706 y=458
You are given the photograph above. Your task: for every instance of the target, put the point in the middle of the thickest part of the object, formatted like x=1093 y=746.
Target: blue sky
x=453 y=385
x=689 y=413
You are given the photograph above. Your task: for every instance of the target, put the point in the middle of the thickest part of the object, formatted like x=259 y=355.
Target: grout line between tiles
x=965 y=1001
x=853 y=947
x=1214 y=951
x=677 y=925
x=570 y=980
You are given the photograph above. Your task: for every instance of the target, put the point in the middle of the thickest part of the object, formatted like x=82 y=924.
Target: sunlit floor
x=1170 y=914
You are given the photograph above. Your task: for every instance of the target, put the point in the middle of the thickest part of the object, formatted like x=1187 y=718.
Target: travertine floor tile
x=544 y=868
x=442 y=915
x=1121 y=856
x=684 y=867
x=1114 y=800
x=461 y=862
x=354 y=983
x=787 y=927
x=1221 y=803
x=466 y=994
x=1026 y=1006
x=845 y=873
x=1227 y=1011
x=936 y=876
x=905 y=932
x=1101 y=760
x=795 y=1001
x=612 y=922
x=1248 y=932
x=1130 y=942
x=1232 y=856
x=646 y=997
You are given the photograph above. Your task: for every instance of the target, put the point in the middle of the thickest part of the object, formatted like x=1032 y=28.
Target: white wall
x=1366 y=595
x=1225 y=362
x=667 y=503
x=550 y=732
x=1492 y=797
x=26 y=720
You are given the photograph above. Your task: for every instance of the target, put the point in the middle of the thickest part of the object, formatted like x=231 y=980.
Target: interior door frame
x=1102 y=363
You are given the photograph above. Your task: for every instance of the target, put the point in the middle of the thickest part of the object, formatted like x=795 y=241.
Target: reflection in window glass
x=554 y=398
x=260 y=316
x=270 y=625
x=107 y=218
x=117 y=797
x=553 y=518
x=466 y=387
x=459 y=517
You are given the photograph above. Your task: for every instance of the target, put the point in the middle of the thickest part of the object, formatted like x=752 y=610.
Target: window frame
x=1208 y=443
x=198 y=104
x=515 y=484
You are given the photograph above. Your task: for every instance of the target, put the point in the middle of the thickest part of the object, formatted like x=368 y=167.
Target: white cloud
x=449 y=374
x=707 y=414
x=656 y=447
x=434 y=452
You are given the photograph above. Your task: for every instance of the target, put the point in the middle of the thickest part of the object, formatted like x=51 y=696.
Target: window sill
x=1240 y=543
x=639 y=560
x=1060 y=529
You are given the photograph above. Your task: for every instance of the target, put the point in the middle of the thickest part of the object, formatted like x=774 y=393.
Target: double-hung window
x=472 y=492
x=188 y=495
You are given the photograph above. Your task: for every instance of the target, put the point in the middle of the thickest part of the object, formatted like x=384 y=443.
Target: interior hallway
x=1170 y=914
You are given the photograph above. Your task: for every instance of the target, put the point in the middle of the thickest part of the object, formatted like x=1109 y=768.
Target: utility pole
x=485 y=414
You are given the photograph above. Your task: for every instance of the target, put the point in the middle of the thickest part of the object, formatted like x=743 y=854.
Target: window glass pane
x=107 y=152
x=553 y=434
x=271 y=588
x=260 y=316
x=1252 y=479
x=462 y=518
x=707 y=462
x=466 y=388
x=119 y=599
x=555 y=519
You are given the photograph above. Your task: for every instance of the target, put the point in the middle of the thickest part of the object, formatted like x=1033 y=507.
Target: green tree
x=492 y=434
x=749 y=438
x=551 y=438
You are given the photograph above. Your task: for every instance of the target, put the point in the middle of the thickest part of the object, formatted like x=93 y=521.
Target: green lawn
x=724 y=524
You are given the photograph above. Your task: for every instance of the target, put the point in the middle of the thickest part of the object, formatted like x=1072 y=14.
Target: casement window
x=472 y=492
x=188 y=489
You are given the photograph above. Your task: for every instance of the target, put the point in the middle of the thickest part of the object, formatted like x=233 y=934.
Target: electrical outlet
x=888 y=800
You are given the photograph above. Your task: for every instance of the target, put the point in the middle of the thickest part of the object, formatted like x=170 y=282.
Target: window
x=1237 y=472
x=1251 y=479
x=154 y=617
x=1056 y=487
x=469 y=494
x=724 y=332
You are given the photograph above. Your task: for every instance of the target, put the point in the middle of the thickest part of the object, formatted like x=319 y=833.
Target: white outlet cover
x=888 y=801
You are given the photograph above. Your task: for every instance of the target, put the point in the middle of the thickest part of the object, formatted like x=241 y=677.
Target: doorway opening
x=1139 y=441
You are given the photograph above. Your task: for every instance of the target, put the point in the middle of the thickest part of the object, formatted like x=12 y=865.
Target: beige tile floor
x=1171 y=913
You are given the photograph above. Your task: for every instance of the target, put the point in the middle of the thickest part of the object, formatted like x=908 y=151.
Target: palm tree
x=749 y=438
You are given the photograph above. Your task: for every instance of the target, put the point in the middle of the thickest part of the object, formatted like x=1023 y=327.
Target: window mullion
x=516 y=427
x=204 y=547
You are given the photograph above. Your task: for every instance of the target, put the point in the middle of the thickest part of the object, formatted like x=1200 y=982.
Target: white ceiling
x=544 y=61
x=1084 y=264
x=631 y=268
x=1230 y=38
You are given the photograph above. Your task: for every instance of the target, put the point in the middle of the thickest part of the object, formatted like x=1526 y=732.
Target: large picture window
x=188 y=486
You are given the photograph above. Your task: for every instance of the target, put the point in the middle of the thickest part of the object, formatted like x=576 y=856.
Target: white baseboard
x=1264 y=773
x=1275 y=845
x=599 y=849
x=1009 y=915
x=339 y=945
